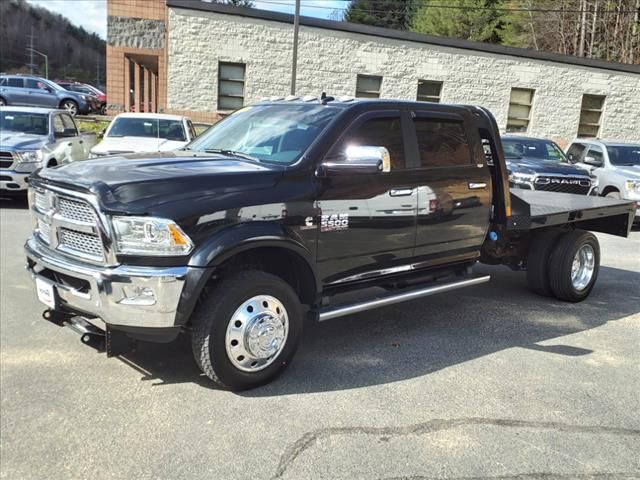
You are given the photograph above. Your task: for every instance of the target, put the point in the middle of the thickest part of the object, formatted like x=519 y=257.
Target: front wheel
x=574 y=266
x=70 y=106
x=2 y=102
x=246 y=330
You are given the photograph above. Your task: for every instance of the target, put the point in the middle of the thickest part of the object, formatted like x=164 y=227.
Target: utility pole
x=30 y=50
x=46 y=61
x=294 y=63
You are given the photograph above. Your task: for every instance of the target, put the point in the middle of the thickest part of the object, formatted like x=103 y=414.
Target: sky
x=92 y=14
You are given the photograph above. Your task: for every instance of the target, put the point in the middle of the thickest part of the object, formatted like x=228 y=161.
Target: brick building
x=205 y=59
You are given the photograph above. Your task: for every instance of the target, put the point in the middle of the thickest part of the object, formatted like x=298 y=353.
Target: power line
x=452 y=7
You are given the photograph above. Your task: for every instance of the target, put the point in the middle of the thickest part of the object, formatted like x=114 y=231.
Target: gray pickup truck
x=32 y=138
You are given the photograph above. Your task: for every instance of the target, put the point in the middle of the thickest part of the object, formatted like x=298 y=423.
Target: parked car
x=98 y=98
x=30 y=91
x=615 y=164
x=263 y=223
x=145 y=132
x=540 y=164
x=31 y=138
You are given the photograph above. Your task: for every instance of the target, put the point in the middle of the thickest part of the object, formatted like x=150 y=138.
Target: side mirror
x=571 y=157
x=593 y=162
x=357 y=160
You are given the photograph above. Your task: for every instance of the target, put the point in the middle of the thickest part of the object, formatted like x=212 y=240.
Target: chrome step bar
x=329 y=313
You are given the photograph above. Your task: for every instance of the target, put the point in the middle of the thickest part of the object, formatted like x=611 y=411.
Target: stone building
x=205 y=59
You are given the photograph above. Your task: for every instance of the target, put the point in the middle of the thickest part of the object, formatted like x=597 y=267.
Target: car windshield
x=24 y=122
x=147 y=127
x=529 y=148
x=269 y=133
x=624 y=154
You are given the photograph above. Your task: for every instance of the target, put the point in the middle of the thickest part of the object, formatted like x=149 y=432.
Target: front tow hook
x=89 y=334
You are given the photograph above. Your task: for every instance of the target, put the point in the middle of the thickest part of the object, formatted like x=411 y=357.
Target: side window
x=442 y=143
x=31 y=83
x=15 y=82
x=576 y=151
x=58 y=126
x=68 y=124
x=377 y=132
x=596 y=153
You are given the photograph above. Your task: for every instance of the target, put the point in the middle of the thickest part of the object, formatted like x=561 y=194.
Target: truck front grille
x=80 y=242
x=575 y=185
x=68 y=224
x=6 y=159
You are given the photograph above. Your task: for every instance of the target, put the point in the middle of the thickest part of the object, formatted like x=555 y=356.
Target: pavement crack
x=309 y=439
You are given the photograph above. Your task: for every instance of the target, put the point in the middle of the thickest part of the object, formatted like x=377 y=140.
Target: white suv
x=616 y=164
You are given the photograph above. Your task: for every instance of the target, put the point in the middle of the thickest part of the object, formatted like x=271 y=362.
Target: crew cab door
x=454 y=194
x=367 y=221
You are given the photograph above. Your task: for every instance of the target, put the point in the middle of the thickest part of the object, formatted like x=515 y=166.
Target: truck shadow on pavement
x=420 y=337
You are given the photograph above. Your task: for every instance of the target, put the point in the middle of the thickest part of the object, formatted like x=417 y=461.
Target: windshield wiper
x=233 y=153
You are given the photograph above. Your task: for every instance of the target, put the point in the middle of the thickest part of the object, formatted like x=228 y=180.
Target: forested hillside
x=604 y=29
x=73 y=52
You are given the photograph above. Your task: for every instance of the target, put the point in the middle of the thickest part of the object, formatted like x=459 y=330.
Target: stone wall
x=135 y=33
x=330 y=60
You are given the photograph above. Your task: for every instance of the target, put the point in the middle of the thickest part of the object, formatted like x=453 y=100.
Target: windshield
x=33 y=123
x=270 y=133
x=528 y=148
x=624 y=154
x=147 y=127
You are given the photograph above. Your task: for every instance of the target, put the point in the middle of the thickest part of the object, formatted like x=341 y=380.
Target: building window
x=519 y=109
x=230 y=85
x=590 y=115
x=368 y=86
x=429 y=91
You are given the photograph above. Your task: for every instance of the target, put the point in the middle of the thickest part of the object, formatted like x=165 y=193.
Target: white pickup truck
x=615 y=164
x=32 y=138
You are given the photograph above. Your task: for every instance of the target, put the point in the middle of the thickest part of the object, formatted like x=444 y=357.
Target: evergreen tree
x=468 y=19
x=396 y=14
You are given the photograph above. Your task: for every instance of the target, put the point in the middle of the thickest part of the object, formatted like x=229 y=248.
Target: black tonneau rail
x=532 y=209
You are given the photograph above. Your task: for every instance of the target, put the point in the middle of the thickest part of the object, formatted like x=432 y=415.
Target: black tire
x=70 y=106
x=214 y=314
x=103 y=109
x=540 y=248
x=3 y=102
x=561 y=261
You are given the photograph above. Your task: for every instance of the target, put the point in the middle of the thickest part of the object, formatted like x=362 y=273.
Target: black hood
x=147 y=183
x=543 y=167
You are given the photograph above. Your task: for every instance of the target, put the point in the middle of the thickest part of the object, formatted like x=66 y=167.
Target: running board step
x=329 y=313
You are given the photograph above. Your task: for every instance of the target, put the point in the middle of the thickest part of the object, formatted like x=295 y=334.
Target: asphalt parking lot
x=488 y=382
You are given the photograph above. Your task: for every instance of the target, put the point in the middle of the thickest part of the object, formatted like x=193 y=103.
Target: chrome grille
x=77 y=210
x=79 y=242
x=6 y=159
x=41 y=201
x=575 y=185
x=44 y=229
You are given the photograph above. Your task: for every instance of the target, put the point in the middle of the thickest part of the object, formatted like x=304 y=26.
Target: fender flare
x=229 y=242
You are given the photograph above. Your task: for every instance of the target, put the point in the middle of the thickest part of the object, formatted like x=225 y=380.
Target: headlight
x=633 y=185
x=150 y=236
x=30 y=156
x=517 y=177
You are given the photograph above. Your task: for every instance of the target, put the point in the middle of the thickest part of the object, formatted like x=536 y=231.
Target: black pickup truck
x=266 y=219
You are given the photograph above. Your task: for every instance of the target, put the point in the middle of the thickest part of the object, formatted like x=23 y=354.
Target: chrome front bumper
x=13 y=181
x=119 y=296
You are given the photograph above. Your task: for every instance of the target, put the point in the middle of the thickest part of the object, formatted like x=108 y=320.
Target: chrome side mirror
x=593 y=162
x=357 y=160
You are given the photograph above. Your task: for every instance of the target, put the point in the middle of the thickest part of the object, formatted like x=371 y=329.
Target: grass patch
x=93 y=126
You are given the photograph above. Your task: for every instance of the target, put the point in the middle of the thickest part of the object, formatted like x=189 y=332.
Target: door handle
x=80 y=142
x=477 y=185
x=70 y=144
x=400 y=192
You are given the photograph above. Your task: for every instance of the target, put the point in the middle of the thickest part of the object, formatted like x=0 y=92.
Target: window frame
x=366 y=76
x=361 y=119
x=434 y=82
x=584 y=110
x=529 y=105
x=233 y=80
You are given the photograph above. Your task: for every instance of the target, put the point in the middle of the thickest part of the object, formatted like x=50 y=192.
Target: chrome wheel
x=583 y=267
x=70 y=107
x=257 y=333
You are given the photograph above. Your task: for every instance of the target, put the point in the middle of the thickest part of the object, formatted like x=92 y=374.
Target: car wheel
x=246 y=330
x=613 y=194
x=574 y=266
x=103 y=109
x=70 y=106
x=2 y=102
x=540 y=248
